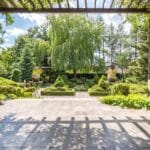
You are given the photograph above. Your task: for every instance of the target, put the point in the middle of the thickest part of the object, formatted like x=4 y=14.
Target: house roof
x=75 y=6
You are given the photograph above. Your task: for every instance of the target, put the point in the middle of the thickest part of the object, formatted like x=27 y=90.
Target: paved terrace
x=72 y=123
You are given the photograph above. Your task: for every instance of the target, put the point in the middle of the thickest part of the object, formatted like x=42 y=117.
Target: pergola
x=75 y=6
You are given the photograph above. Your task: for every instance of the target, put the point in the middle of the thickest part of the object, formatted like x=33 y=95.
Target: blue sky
x=23 y=21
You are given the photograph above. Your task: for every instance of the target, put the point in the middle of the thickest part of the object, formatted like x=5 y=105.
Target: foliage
x=103 y=82
x=138 y=89
x=2 y=97
x=140 y=44
x=59 y=82
x=26 y=65
x=120 y=89
x=11 y=96
x=131 y=101
x=28 y=94
x=16 y=75
x=123 y=60
x=74 y=49
x=80 y=88
x=102 y=88
x=96 y=78
x=13 y=90
x=4 y=81
x=58 y=88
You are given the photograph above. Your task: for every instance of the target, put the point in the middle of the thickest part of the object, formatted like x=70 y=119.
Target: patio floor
x=72 y=123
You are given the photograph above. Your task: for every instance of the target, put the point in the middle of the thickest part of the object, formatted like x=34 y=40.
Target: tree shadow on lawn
x=100 y=134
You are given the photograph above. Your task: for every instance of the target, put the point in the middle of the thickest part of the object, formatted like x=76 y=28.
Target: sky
x=24 y=21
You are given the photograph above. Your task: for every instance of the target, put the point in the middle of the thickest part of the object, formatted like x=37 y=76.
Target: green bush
x=16 y=73
x=101 y=89
x=103 y=82
x=4 y=81
x=28 y=94
x=96 y=78
x=130 y=101
x=120 y=89
x=2 y=97
x=58 y=88
x=89 y=83
x=11 y=96
x=59 y=82
x=80 y=88
x=138 y=89
x=97 y=91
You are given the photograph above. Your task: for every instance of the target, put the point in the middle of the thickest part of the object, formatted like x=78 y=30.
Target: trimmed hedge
x=101 y=89
x=58 y=93
x=130 y=101
x=58 y=88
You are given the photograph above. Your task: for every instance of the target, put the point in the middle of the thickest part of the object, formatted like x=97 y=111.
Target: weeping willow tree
x=74 y=40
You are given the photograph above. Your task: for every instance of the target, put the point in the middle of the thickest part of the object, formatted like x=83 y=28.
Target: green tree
x=74 y=39
x=123 y=60
x=26 y=65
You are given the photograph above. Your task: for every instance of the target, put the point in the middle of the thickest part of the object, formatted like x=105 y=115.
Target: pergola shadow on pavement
x=99 y=134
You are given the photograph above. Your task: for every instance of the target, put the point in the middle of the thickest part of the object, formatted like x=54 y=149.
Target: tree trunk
x=75 y=73
x=122 y=73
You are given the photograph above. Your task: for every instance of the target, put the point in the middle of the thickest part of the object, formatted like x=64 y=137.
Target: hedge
x=58 y=93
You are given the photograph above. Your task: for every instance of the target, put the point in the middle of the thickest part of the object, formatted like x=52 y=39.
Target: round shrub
x=120 y=89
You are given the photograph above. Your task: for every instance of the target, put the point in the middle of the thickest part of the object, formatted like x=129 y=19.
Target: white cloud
x=14 y=32
x=38 y=19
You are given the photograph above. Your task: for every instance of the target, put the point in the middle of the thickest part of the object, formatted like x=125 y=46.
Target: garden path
x=72 y=123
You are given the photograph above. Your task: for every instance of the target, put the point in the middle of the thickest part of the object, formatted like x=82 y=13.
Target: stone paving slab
x=72 y=123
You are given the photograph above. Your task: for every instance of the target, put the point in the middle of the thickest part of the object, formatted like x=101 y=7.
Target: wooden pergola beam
x=75 y=10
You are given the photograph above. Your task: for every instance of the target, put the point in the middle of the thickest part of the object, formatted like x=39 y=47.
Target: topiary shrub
x=120 y=89
x=103 y=83
x=59 y=82
x=58 y=88
x=16 y=73
x=101 y=89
